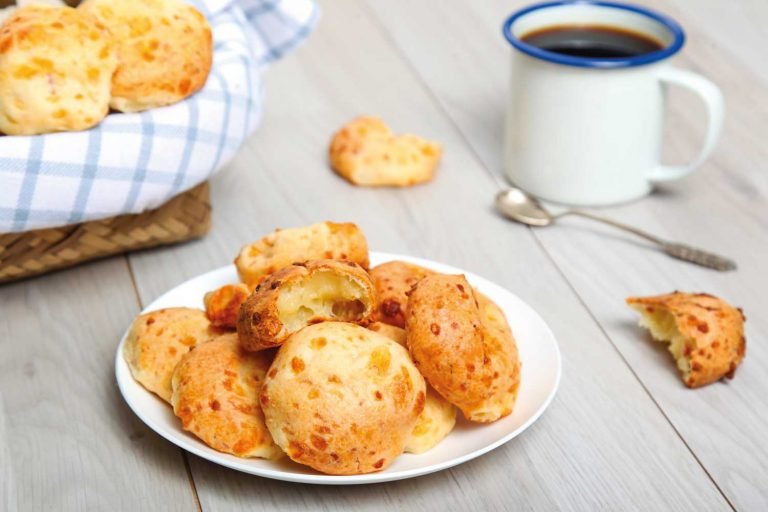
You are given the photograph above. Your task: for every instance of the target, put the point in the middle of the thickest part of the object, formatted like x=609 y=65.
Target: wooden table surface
x=623 y=433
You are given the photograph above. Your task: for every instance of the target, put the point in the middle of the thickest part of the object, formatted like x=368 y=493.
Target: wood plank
x=8 y=492
x=741 y=31
x=603 y=443
x=67 y=439
x=721 y=207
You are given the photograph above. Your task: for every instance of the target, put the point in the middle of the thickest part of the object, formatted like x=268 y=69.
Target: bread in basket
x=137 y=180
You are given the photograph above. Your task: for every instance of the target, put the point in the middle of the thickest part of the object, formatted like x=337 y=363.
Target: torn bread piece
x=304 y=294
x=365 y=152
x=705 y=334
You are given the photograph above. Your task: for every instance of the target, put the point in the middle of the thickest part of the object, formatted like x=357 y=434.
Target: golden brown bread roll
x=705 y=333
x=342 y=399
x=158 y=340
x=439 y=415
x=393 y=281
x=215 y=395
x=326 y=240
x=461 y=343
x=365 y=152
x=222 y=305
x=434 y=423
x=165 y=49
x=501 y=349
x=303 y=294
x=56 y=66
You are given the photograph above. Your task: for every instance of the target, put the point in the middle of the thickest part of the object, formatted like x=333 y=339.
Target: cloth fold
x=131 y=163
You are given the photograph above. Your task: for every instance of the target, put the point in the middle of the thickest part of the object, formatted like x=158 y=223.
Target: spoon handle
x=679 y=251
x=610 y=222
x=699 y=257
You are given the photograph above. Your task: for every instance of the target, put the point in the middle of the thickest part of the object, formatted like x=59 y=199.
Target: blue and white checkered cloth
x=131 y=163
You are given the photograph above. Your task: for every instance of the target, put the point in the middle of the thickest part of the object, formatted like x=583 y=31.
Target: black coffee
x=597 y=42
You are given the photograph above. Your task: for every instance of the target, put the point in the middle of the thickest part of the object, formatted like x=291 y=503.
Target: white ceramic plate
x=540 y=376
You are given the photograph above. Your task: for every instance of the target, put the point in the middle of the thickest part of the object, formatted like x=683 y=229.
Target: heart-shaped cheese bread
x=366 y=152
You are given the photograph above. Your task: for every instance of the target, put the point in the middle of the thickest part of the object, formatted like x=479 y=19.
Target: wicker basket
x=185 y=217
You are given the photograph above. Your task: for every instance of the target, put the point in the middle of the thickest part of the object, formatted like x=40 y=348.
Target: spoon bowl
x=517 y=205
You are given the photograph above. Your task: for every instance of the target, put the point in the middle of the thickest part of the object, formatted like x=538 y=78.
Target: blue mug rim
x=587 y=62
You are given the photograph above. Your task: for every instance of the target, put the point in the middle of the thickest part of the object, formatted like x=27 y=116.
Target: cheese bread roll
x=325 y=240
x=439 y=415
x=462 y=344
x=222 y=305
x=215 y=395
x=158 y=340
x=165 y=49
x=56 y=67
x=393 y=281
x=342 y=399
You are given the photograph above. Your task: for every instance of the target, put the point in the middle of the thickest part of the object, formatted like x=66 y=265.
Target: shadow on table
x=656 y=350
x=158 y=457
x=218 y=485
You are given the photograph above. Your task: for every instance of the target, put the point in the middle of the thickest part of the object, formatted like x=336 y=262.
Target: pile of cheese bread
x=63 y=68
x=316 y=356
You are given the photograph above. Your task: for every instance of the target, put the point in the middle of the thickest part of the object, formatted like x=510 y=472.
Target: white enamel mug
x=588 y=131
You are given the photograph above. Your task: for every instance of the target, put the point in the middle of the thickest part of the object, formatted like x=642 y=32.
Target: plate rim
x=121 y=367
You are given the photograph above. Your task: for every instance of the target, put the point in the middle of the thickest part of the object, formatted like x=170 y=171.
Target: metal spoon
x=517 y=205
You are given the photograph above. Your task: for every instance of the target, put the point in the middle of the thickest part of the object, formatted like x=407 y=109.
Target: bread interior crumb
x=663 y=328
x=323 y=295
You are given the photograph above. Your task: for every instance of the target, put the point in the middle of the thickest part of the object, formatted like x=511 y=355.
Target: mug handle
x=713 y=101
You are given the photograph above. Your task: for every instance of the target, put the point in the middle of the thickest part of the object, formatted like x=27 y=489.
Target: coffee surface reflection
x=597 y=42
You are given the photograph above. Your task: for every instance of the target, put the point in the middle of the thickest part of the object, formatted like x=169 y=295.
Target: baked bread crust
x=342 y=399
x=282 y=247
x=56 y=67
x=393 y=281
x=365 y=152
x=501 y=348
x=165 y=49
x=435 y=422
x=222 y=305
x=215 y=395
x=461 y=343
x=303 y=294
x=392 y=332
x=713 y=342
x=158 y=340
x=439 y=415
